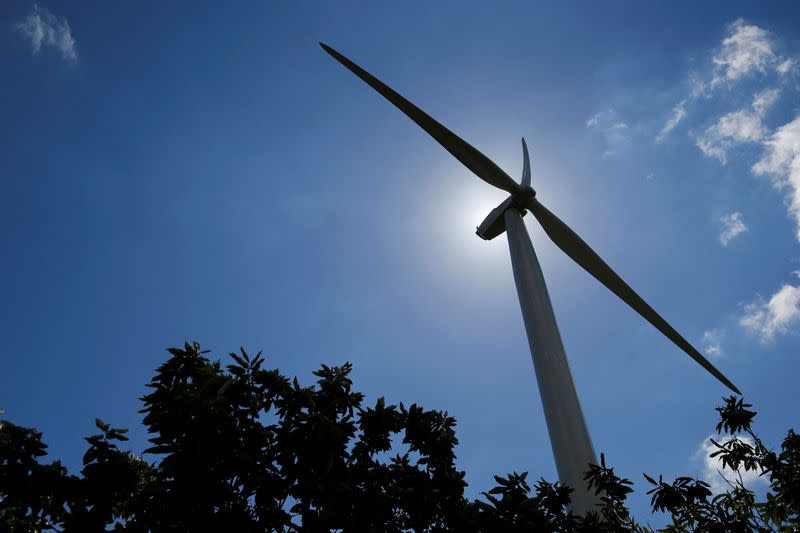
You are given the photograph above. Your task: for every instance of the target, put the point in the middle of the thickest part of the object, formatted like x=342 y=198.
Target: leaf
x=239 y=360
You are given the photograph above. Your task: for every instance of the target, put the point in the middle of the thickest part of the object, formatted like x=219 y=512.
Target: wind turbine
x=569 y=436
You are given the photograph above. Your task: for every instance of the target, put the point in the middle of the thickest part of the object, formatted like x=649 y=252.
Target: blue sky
x=176 y=173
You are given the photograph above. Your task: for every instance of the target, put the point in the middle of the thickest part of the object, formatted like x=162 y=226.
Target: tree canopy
x=244 y=448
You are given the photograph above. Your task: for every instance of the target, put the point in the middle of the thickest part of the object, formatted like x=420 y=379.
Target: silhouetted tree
x=247 y=449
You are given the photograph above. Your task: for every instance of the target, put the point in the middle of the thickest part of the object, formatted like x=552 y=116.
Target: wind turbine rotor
x=524 y=197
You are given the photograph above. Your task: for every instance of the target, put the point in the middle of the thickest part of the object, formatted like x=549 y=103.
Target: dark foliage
x=247 y=449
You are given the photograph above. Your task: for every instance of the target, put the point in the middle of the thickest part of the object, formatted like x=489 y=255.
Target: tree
x=243 y=448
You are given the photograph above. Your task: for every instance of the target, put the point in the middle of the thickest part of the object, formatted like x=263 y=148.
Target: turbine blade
x=469 y=156
x=526 y=165
x=581 y=253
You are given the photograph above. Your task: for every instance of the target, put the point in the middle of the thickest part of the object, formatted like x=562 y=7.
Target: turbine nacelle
x=494 y=224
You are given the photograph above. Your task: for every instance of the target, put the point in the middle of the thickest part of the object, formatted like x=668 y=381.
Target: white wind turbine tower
x=569 y=436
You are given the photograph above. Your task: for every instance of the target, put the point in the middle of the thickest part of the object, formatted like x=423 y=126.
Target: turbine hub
x=524 y=194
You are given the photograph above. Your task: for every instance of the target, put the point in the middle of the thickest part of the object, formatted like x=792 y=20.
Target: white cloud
x=765 y=99
x=712 y=342
x=595 y=120
x=614 y=130
x=737 y=127
x=678 y=114
x=776 y=316
x=741 y=126
x=711 y=149
x=781 y=162
x=43 y=28
x=731 y=129
x=786 y=66
x=732 y=225
x=713 y=472
x=606 y=120
x=746 y=50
